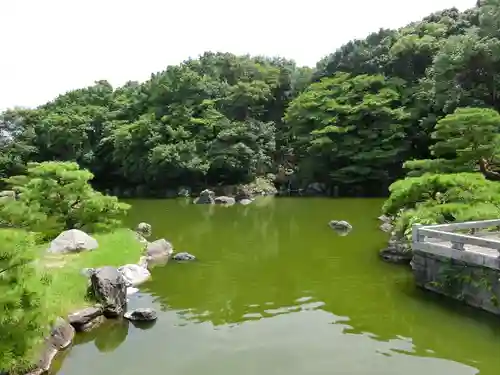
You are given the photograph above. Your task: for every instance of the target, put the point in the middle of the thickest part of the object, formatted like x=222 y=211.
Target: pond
x=275 y=291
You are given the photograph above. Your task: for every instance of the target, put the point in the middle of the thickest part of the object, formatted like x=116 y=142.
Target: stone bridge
x=460 y=260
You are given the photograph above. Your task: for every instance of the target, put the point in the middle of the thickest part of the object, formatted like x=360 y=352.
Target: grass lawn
x=67 y=291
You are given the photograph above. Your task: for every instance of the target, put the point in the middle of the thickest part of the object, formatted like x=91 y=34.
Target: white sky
x=52 y=46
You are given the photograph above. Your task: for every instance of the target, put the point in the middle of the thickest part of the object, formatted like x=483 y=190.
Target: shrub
x=442 y=198
x=24 y=320
x=55 y=196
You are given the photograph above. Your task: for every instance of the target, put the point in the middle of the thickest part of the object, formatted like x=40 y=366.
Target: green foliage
x=350 y=129
x=442 y=198
x=24 y=321
x=54 y=196
x=466 y=140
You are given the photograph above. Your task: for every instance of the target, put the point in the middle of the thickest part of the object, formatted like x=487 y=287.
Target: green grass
x=68 y=288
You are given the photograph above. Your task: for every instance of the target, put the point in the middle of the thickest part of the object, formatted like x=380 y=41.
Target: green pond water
x=275 y=291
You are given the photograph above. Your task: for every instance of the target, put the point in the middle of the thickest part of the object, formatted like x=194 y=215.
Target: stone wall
x=461 y=275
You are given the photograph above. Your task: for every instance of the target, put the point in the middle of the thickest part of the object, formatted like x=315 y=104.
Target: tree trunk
x=485 y=169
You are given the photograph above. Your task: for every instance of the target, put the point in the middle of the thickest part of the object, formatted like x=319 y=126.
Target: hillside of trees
x=358 y=121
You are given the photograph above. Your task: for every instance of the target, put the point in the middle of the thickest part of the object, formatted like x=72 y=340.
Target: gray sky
x=52 y=46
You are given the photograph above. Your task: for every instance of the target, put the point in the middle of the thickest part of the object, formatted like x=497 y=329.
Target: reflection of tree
x=107 y=337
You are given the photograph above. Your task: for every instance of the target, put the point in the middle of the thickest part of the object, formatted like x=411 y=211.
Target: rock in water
x=206 y=197
x=245 y=201
x=386 y=227
x=81 y=320
x=159 y=249
x=225 y=200
x=143 y=315
x=134 y=274
x=183 y=256
x=110 y=289
x=72 y=240
x=341 y=227
x=144 y=229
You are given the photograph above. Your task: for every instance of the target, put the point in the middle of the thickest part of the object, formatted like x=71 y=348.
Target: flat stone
x=183 y=256
x=81 y=318
x=142 y=314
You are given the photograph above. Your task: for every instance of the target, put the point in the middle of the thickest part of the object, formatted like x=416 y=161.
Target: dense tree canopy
x=350 y=123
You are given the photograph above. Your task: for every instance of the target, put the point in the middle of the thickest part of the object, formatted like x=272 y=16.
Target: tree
x=467 y=140
x=23 y=319
x=54 y=196
x=352 y=128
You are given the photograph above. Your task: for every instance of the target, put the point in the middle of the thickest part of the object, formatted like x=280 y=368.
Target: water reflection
x=107 y=337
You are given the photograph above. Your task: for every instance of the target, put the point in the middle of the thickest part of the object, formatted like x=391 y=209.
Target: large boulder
x=342 y=227
x=142 y=315
x=134 y=274
x=110 y=289
x=229 y=201
x=73 y=240
x=144 y=229
x=206 y=197
x=85 y=319
x=159 y=249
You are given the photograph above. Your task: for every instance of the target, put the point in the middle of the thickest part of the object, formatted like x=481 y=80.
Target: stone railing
x=476 y=246
x=460 y=260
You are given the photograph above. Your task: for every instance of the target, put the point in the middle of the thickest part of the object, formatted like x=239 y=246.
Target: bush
x=442 y=198
x=24 y=321
x=55 y=196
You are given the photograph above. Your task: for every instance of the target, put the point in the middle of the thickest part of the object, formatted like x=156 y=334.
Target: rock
x=245 y=201
x=391 y=255
x=386 y=227
x=144 y=229
x=60 y=338
x=80 y=320
x=110 y=288
x=8 y=193
x=134 y=274
x=206 y=197
x=144 y=315
x=342 y=227
x=385 y=219
x=183 y=257
x=184 y=192
x=315 y=189
x=398 y=251
x=72 y=240
x=94 y=323
x=225 y=200
x=159 y=249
